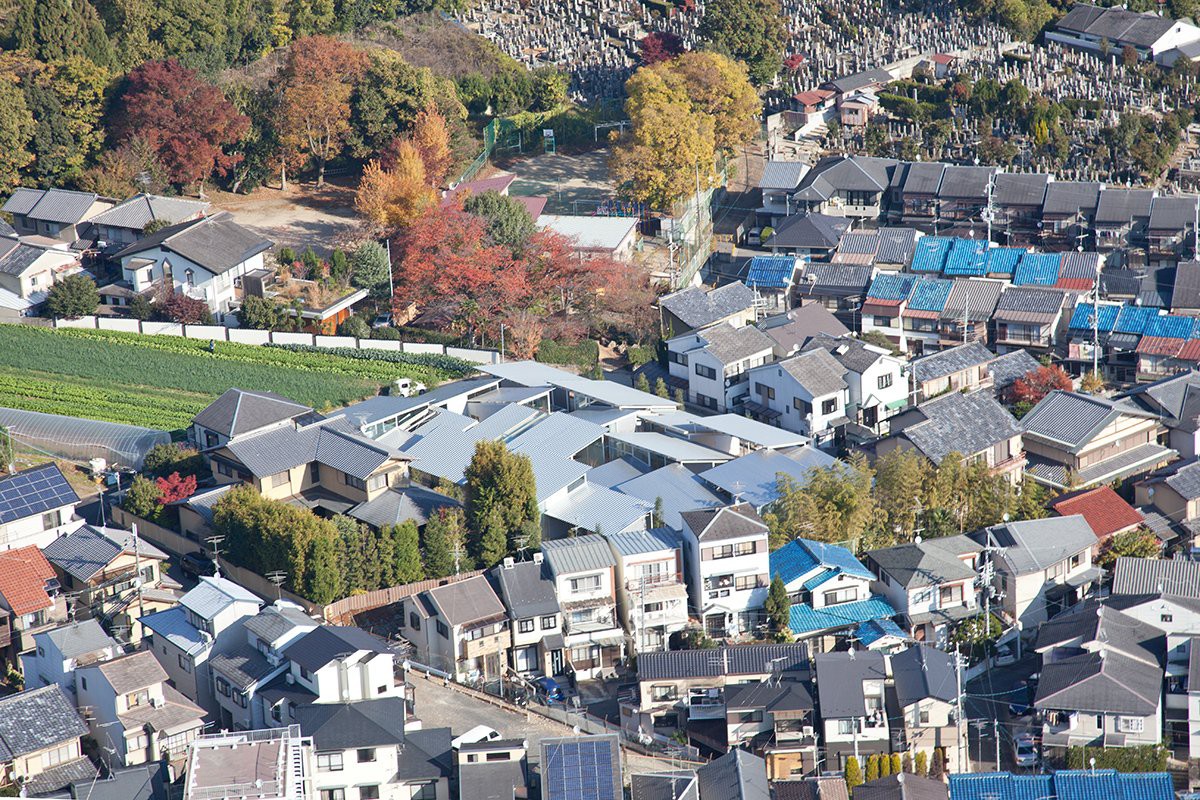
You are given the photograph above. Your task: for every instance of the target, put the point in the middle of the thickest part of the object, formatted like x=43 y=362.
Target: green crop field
x=162 y=381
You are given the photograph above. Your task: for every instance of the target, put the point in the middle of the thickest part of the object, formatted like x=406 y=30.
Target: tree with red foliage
x=178 y=307
x=185 y=119
x=173 y=488
x=1038 y=383
x=660 y=46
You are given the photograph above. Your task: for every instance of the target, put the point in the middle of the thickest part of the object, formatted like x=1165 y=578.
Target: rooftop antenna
x=277 y=577
x=214 y=543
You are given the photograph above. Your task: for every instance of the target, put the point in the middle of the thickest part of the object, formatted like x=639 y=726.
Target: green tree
x=938 y=768
x=508 y=221
x=141 y=499
x=642 y=384
x=1133 y=544
x=853 y=773
x=885 y=765
x=921 y=767
x=501 y=495
x=873 y=767
x=897 y=764
x=660 y=388
x=549 y=88
x=323 y=577
x=140 y=307
x=749 y=30
x=880 y=339
x=17 y=127
x=163 y=459
x=406 y=543
x=779 y=608
x=442 y=533
x=900 y=490
x=350 y=554
x=656 y=516
x=61 y=30
x=832 y=505
x=264 y=314
x=354 y=326
x=370 y=270
x=906 y=763
x=73 y=297
x=389 y=96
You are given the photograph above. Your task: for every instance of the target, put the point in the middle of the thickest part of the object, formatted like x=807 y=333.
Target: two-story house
x=527 y=590
x=1018 y=199
x=43 y=751
x=931 y=583
x=1029 y=318
x=134 y=711
x=238 y=412
x=37 y=505
x=716 y=361
x=806 y=394
x=728 y=567
x=112 y=575
x=239 y=672
x=1101 y=679
x=974 y=426
x=584 y=572
x=463 y=629
x=955 y=369
x=27 y=273
x=969 y=308
x=1068 y=211
x=184 y=638
x=125 y=223
x=925 y=689
x=363 y=752
x=30 y=598
x=1041 y=566
x=1176 y=401
x=1075 y=440
x=59 y=651
x=56 y=214
x=875 y=379
x=201 y=258
x=652 y=597
x=329 y=664
x=851 y=705
x=693 y=308
x=820 y=574
x=487 y=770
x=775 y=720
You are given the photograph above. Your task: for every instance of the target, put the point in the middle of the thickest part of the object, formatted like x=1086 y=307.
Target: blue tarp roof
x=930 y=253
x=1003 y=260
x=1171 y=326
x=967 y=257
x=1037 y=269
x=1075 y=784
x=771 y=272
x=930 y=295
x=1134 y=319
x=891 y=287
x=807 y=620
x=1081 y=318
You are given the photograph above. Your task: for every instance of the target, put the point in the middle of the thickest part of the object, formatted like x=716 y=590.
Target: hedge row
x=584 y=354
x=456 y=367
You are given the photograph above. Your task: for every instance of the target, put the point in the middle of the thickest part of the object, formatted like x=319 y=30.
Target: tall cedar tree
x=314 y=99
x=17 y=128
x=186 y=120
x=350 y=554
x=54 y=31
x=407 y=552
x=778 y=607
x=442 y=533
x=501 y=498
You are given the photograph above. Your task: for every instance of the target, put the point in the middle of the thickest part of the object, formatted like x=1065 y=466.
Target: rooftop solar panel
x=582 y=768
x=34 y=491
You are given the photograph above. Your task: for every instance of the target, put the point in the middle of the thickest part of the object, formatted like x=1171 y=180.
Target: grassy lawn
x=162 y=381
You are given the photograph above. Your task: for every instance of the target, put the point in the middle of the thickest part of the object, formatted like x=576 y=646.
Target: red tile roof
x=943 y=58
x=1160 y=346
x=1190 y=351
x=23 y=576
x=1106 y=513
x=1078 y=284
x=813 y=96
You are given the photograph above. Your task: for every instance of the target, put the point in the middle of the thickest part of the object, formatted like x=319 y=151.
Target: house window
x=280 y=479
x=745 y=548
x=357 y=483
x=414 y=621
x=742 y=717
x=924 y=716
x=652 y=608
x=223 y=468
x=844 y=595
x=846 y=726
x=50 y=519
x=425 y=791
x=525 y=625
x=239 y=698
x=1076 y=560
x=368 y=793
x=803 y=406
x=57 y=756
x=829 y=406
x=138 y=698
x=83 y=682
x=315 y=471
x=705 y=401
x=549 y=623
x=304 y=673
x=329 y=762
x=277 y=713
x=377 y=482
x=442 y=630
x=1166 y=617
x=885 y=381
x=762 y=390
x=189 y=277
x=1130 y=724
x=366 y=755
x=588 y=583
x=333 y=794
x=745 y=582
x=661 y=693
x=950 y=595
x=706 y=372
x=223 y=687
x=210 y=439
x=883 y=322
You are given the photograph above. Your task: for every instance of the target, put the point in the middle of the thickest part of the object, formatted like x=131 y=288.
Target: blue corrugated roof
x=1032 y=787
x=930 y=295
x=1134 y=319
x=1037 y=269
x=1003 y=260
x=800 y=556
x=930 y=253
x=792 y=561
x=967 y=257
x=1171 y=326
x=871 y=631
x=1077 y=784
x=821 y=577
x=1081 y=318
x=1146 y=786
x=832 y=555
x=891 y=286
x=771 y=272
x=805 y=619
x=1082 y=784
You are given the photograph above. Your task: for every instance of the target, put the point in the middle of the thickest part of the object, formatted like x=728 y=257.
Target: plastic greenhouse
x=80 y=440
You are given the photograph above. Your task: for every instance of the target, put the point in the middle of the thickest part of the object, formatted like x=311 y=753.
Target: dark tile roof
x=1104 y=681
x=809 y=232
x=965 y=183
x=951 y=360
x=789 y=695
x=1005 y=369
x=976 y=298
x=797 y=327
x=737 y=775
x=347 y=726
x=238 y=411
x=727 y=522
x=1186 y=293
x=87 y=551
x=402 y=504
x=19 y=259
x=860 y=80
x=840 y=279
x=923 y=672
x=526 y=588
x=242 y=666
x=275 y=620
x=1172 y=213
x=1070 y=419
x=1093 y=624
x=923 y=178
x=36 y=719
x=1071 y=197
x=853 y=354
x=679 y=785
x=697 y=308
x=328 y=643
x=216 y=243
x=750 y=659
x=51 y=205
x=1020 y=188
x=426 y=755
x=927 y=563
x=823 y=788
x=466 y=602
x=961 y=423
x=840 y=679
x=905 y=786
x=1038 y=544
x=1123 y=206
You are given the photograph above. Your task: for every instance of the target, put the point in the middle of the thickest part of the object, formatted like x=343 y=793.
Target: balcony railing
x=709 y=708
x=651 y=582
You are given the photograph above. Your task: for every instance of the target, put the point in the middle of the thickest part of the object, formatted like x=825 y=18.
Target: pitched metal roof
x=77 y=639
x=579 y=554
x=35 y=720
x=698 y=308
x=239 y=411
x=1038 y=544
x=1071 y=419
x=402 y=504
x=635 y=543
x=737 y=775
x=173 y=626
x=1173 y=576
x=782 y=174
x=466 y=602
x=213 y=595
x=754 y=477
x=1099 y=682
x=896 y=245
x=216 y=243
x=840 y=678
x=680 y=489
x=951 y=360
x=923 y=672
x=34 y=491
x=925 y=563
x=736 y=660
x=140 y=210
x=903 y=786
x=1071 y=197
x=276 y=620
x=51 y=205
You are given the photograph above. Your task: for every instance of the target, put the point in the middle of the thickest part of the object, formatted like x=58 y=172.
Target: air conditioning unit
x=156 y=702
x=273 y=659
x=807 y=730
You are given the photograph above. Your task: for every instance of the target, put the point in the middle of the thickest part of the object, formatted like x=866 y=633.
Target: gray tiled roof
x=737 y=775
x=1071 y=197
x=526 y=589
x=809 y=232
x=238 y=411
x=1100 y=682
x=467 y=602
x=51 y=205
x=333 y=443
x=1187 y=286
x=1024 y=299
x=348 y=726
x=951 y=360
x=1071 y=419
x=1174 y=576
x=840 y=278
x=962 y=423
x=1091 y=623
x=1005 y=369
x=782 y=174
x=142 y=209
x=80 y=638
x=274 y=621
x=329 y=643
x=681 y=785
x=36 y=719
x=1123 y=206
x=896 y=245
x=923 y=178
x=922 y=672
x=1172 y=213
x=904 y=786
x=840 y=679
x=697 y=307
x=853 y=354
x=729 y=344
x=727 y=522
x=978 y=298
x=401 y=504
x=1021 y=188
x=817 y=371
x=19 y=259
x=965 y=183
x=822 y=788
x=1117 y=25
x=242 y=666
x=87 y=551
x=927 y=563
x=216 y=243
x=579 y=554
x=794 y=329
x=1037 y=544
x=748 y=659
x=132 y=672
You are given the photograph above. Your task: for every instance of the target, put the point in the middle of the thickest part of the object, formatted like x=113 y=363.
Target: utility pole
x=137 y=566
x=1096 y=325
x=277 y=577
x=959 y=721
x=996 y=733
x=214 y=542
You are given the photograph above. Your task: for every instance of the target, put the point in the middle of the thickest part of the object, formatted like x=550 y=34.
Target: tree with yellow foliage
x=393 y=198
x=431 y=137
